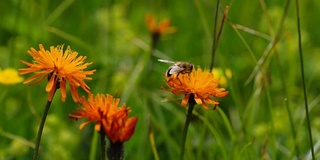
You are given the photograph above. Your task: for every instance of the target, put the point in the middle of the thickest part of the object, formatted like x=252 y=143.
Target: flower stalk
x=191 y=104
x=103 y=143
x=115 y=151
x=41 y=126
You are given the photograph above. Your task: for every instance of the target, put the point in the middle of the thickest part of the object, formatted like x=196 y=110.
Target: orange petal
x=185 y=100
x=222 y=93
x=204 y=104
x=129 y=128
x=164 y=25
x=210 y=101
x=83 y=124
x=51 y=93
x=74 y=93
x=151 y=23
x=197 y=99
x=51 y=83
x=63 y=90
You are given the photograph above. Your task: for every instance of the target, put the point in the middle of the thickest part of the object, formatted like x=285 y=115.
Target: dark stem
x=303 y=80
x=191 y=104
x=103 y=143
x=41 y=126
x=155 y=37
x=214 y=34
x=115 y=151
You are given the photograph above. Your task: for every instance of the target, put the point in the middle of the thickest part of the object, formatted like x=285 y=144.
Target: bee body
x=178 y=67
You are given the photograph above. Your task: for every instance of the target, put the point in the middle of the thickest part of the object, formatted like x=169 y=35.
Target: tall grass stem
x=153 y=144
x=303 y=80
x=214 y=41
x=93 y=146
x=285 y=91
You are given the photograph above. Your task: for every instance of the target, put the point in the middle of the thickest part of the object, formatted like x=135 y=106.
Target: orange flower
x=104 y=110
x=162 y=27
x=59 y=67
x=119 y=127
x=157 y=30
x=199 y=84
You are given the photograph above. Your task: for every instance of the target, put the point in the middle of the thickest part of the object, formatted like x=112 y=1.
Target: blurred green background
x=252 y=122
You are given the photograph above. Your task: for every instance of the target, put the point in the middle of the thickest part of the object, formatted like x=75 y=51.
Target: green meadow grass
x=252 y=122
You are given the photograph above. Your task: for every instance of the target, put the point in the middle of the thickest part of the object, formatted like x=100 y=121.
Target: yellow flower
x=224 y=75
x=104 y=110
x=59 y=67
x=200 y=85
x=10 y=76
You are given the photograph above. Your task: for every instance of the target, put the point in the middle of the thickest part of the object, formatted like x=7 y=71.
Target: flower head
x=200 y=85
x=10 y=76
x=224 y=75
x=160 y=28
x=104 y=110
x=119 y=127
x=157 y=30
x=59 y=67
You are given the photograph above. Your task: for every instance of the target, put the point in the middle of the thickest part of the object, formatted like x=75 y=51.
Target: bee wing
x=175 y=69
x=166 y=61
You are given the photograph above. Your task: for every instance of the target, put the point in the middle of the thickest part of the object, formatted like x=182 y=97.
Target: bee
x=177 y=67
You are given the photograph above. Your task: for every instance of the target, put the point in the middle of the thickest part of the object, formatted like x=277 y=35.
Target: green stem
x=303 y=80
x=285 y=91
x=103 y=143
x=186 y=125
x=214 y=45
x=93 y=146
x=41 y=126
x=153 y=144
